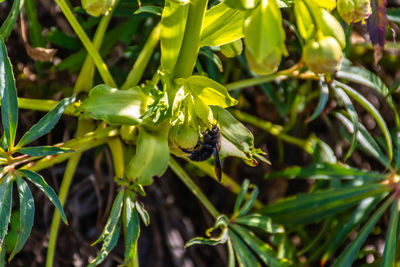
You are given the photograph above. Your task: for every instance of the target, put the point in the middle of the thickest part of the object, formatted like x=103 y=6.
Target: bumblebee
x=207 y=148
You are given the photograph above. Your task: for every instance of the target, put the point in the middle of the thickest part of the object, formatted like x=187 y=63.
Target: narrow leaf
x=12 y=17
x=348 y=256
x=8 y=94
x=40 y=183
x=323 y=99
x=40 y=151
x=109 y=242
x=231 y=255
x=132 y=229
x=46 y=123
x=249 y=202
x=5 y=206
x=241 y=195
x=389 y=254
x=144 y=215
x=261 y=222
x=243 y=255
x=27 y=213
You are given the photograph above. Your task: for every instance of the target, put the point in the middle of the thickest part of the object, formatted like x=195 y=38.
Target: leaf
x=109 y=242
x=221 y=25
x=389 y=254
x=151 y=158
x=8 y=24
x=46 y=123
x=261 y=222
x=155 y=10
x=262 y=249
x=348 y=256
x=144 y=215
x=8 y=94
x=5 y=206
x=221 y=223
x=248 y=204
x=231 y=254
x=326 y=171
x=132 y=229
x=313 y=207
x=40 y=151
x=243 y=255
x=376 y=24
x=240 y=197
x=112 y=105
x=323 y=99
x=173 y=24
x=40 y=183
x=374 y=112
x=27 y=214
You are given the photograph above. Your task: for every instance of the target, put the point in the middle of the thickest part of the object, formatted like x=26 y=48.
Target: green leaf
x=46 y=123
x=151 y=158
x=144 y=215
x=323 y=99
x=248 y=204
x=109 y=242
x=326 y=171
x=40 y=183
x=173 y=24
x=113 y=106
x=5 y=205
x=231 y=254
x=221 y=223
x=313 y=207
x=27 y=214
x=389 y=254
x=132 y=228
x=8 y=94
x=261 y=222
x=12 y=17
x=243 y=255
x=40 y=151
x=156 y=10
x=374 y=112
x=348 y=256
x=241 y=4
x=241 y=195
x=262 y=249
x=343 y=97
x=222 y=25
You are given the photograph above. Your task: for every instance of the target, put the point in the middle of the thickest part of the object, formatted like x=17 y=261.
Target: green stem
x=91 y=49
x=139 y=67
x=82 y=128
x=273 y=129
x=44 y=105
x=177 y=169
x=191 y=41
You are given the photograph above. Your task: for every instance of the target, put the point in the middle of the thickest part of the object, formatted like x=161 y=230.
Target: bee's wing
x=218 y=169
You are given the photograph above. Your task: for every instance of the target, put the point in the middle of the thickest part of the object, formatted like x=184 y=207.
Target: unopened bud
x=354 y=10
x=97 y=7
x=232 y=49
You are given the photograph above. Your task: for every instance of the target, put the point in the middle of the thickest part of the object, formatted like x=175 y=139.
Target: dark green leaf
x=231 y=255
x=46 y=123
x=261 y=222
x=248 y=204
x=262 y=249
x=348 y=256
x=323 y=99
x=144 y=215
x=132 y=228
x=389 y=254
x=27 y=213
x=109 y=242
x=40 y=183
x=8 y=94
x=5 y=205
x=243 y=255
x=40 y=151
x=113 y=219
x=241 y=195
x=12 y=17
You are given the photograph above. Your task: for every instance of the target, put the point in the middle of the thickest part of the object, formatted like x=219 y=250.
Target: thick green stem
x=191 y=41
x=139 y=67
x=91 y=49
x=177 y=169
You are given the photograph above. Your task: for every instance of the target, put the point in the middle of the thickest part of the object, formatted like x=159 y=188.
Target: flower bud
x=182 y=136
x=97 y=7
x=354 y=10
x=128 y=134
x=323 y=55
x=266 y=65
x=232 y=49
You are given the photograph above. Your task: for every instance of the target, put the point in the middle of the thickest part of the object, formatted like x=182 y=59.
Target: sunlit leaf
x=40 y=183
x=40 y=151
x=261 y=222
x=109 y=242
x=144 y=215
x=5 y=205
x=155 y=10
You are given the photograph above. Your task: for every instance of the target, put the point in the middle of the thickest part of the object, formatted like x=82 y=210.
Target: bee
x=207 y=148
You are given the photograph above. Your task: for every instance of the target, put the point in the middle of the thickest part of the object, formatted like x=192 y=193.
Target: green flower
x=354 y=10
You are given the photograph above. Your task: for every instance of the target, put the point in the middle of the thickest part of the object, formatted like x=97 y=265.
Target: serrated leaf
x=241 y=195
x=46 y=123
x=27 y=214
x=151 y=158
x=221 y=25
x=113 y=106
x=261 y=249
x=323 y=99
x=348 y=256
x=243 y=255
x=261 y=222
x=40 y=151
x=389 y=254
x=5 y=205
x=132 y=229
x=40 y=183
x=8 y=94
x=109 y=242
x=313 y=207
x=113 y=218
